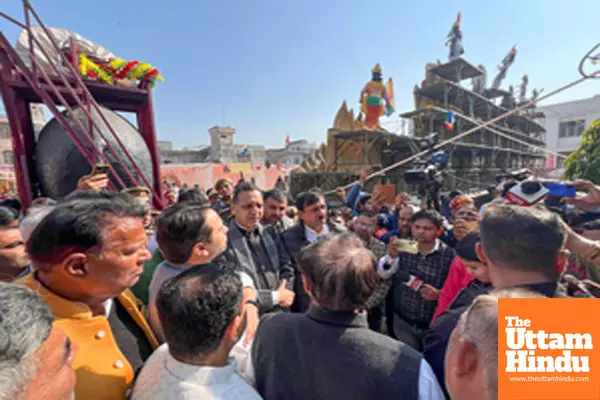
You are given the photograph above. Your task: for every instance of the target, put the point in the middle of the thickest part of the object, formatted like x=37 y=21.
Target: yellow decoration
x=86 y=65
x=377 y=68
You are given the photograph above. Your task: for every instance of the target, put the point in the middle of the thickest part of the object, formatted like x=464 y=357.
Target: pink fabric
x=458 y=279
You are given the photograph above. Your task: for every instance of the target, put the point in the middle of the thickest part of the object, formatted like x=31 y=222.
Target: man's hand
x=364 y=173
x=428 y=292
x=402 y=200
x=592 y=198
x=393 y=248
x=252 y=317
x=95 y=182
x=286 y=296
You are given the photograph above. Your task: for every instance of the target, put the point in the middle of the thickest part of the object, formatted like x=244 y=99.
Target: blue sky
x=276 y=68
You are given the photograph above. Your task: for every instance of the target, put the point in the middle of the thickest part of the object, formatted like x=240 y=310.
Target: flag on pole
x=288 y=140
x=389 y=101
x=243 y=150
x=509 y=58
x=450 y=120
x=454 y=29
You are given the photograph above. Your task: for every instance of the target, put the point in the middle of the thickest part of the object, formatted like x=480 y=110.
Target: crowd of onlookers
x=239 y=293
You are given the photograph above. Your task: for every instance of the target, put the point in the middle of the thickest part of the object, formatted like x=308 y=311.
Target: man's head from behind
x=338 y=272
x=471 y=365
x=312 y=209
x=247 y=205
x=521 y=245
x=201 y=311
x=91 y=247
x=275 y=206
x=36 y=358
x=191 y=233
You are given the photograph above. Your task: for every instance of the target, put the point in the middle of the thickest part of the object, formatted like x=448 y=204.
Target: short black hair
x=179 y=228
x=362 y=200
x=522 y=238
x=191 y=196
x=78 y=224
x=307 y=199
x=8 y=215
x=275 y=194
x=432 y=215
x=367 y=214
x=13 y=203
x=465 y=248
x=243 y=188
x=196 y=306
x=341 y=270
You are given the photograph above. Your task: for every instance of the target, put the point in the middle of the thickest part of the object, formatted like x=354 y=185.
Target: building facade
x=292 y=154
x=564 y=123
x=6 y=149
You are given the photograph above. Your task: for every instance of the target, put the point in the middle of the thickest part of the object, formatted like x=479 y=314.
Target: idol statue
x=373 y=98
x=523 y=90
x=454 y=40
x=503 y=67
x=479 y=82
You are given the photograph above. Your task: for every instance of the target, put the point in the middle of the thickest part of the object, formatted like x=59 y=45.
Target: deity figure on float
x=376 y=99
x=454 y=40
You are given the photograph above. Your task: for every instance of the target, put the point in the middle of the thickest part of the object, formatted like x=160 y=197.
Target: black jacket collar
x=340 y=318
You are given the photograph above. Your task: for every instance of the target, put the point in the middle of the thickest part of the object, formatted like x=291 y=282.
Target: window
x=4 y=132
x=8 y=157
x=571 y=128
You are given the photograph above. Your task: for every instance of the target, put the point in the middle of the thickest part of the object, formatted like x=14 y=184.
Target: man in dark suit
x=257 y=253
x=330 y=352
x=312 y=210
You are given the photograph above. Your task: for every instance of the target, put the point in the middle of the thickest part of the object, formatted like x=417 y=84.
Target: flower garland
x=117 y=69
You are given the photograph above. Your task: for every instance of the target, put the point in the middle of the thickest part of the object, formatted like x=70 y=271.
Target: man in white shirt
x=191 y=235
x=202 y=319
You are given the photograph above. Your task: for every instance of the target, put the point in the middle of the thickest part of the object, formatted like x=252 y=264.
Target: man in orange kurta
x=87 y=253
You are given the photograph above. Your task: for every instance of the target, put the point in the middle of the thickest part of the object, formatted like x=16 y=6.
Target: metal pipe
x=95 y=105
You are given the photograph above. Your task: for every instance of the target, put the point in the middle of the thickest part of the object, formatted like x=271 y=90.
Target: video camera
x=518 y=176
x=428 y=171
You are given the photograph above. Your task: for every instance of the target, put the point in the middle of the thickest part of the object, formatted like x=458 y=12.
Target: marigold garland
x=117 y=69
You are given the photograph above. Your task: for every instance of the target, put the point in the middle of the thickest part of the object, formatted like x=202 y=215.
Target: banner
x=548 y=349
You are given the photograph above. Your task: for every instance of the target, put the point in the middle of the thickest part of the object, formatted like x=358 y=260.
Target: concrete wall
x=587 y=110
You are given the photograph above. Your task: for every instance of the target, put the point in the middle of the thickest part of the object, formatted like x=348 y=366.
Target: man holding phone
x=97 y=180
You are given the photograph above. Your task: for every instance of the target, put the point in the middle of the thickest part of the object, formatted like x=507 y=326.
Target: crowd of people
x=238 y=293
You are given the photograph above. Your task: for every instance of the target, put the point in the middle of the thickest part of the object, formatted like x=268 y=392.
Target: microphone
x=409 y=280
x=578 y=284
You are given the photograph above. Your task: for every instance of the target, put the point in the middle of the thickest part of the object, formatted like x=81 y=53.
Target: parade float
x=444 y=107
x=84 y=86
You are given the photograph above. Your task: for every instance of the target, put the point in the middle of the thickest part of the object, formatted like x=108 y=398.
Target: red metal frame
x=21 y=86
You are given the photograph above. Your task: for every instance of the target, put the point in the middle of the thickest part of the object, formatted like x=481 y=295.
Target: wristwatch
x=253 y=302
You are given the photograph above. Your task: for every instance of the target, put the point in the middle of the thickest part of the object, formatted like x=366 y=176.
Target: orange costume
x=372 y=99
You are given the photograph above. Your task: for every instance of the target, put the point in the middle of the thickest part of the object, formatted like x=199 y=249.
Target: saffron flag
x=288 y=140
x=244 y=150
x=389 y=101
x=450 y=120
